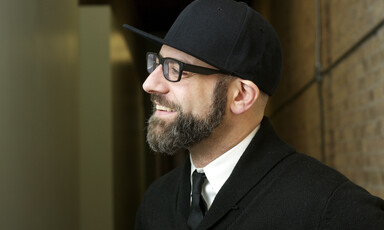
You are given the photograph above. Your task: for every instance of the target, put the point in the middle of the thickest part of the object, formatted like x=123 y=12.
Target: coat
x=271 y=187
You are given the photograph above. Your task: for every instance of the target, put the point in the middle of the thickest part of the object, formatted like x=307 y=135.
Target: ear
x=244 y=95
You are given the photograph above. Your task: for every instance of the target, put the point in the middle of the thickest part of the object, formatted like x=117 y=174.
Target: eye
x=174 y=67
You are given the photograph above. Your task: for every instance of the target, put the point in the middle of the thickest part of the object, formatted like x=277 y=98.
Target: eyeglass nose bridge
x=154 y=61
x=155 y=83
x=155 y=68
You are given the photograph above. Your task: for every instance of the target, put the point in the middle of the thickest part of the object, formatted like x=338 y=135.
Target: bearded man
x=209 y=84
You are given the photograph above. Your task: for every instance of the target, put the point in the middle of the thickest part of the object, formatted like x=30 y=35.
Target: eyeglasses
x=173 y=69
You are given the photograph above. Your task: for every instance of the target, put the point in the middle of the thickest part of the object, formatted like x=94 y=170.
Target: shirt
x=219 y=170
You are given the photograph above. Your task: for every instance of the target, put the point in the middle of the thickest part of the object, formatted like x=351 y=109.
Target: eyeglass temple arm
x=202 y=70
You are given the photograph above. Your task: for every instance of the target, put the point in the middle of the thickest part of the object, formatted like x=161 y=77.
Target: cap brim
x=144 y=34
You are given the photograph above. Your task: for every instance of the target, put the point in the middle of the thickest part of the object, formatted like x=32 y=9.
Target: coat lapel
x=263 y=153
x=183 y=196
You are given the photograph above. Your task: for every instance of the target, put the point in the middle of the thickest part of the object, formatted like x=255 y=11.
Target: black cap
x=230 y=36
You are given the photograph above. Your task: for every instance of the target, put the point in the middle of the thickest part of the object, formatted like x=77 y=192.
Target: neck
x=224 y=137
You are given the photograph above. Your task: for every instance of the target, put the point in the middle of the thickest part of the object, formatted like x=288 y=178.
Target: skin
x=244 y=110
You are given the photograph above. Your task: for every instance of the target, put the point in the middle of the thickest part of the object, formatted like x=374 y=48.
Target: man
x=209 y=84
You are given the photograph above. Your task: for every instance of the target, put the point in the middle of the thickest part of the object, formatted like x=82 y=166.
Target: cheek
x=195 y=97
x=203 y=100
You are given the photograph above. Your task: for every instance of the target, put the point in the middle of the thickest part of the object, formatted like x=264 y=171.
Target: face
x=187 y=111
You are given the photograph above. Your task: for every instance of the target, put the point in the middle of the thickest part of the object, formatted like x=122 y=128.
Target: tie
x=198 y=206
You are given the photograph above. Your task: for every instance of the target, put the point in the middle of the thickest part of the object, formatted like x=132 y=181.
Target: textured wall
x=354 y=91
x=340 y=119
x=296 y=116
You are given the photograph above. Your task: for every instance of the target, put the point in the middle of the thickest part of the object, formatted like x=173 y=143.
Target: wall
x=338 y=117
x=129 y=155
x=38 y=115
x=95 y=119
x=354 y=90
x=294 y=111
x=71 y=118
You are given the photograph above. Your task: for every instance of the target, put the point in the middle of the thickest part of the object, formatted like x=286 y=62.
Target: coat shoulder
x=337 y=202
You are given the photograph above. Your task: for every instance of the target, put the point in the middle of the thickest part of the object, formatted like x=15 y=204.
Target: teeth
x=163 y=108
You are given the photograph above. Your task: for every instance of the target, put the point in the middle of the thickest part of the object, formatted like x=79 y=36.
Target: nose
x=155 y=82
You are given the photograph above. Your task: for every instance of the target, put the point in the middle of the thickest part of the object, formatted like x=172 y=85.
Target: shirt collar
x=219 y=170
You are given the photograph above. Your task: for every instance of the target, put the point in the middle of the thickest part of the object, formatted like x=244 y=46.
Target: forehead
x=167 y=51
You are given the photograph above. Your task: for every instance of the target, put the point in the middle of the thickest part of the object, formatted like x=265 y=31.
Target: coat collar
x=263 y=153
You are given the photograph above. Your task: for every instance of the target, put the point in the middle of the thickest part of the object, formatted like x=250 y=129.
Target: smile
x=163 y=108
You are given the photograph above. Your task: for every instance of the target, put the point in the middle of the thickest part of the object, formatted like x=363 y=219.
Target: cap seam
x=237 y=39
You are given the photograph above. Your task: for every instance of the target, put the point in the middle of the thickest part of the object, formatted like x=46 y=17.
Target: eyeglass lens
x=152 y=62
x=171 y=68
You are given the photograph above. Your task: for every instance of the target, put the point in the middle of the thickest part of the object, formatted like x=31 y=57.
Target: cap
x=230 y=36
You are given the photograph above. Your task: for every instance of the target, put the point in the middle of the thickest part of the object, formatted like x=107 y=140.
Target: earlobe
x=244 y=96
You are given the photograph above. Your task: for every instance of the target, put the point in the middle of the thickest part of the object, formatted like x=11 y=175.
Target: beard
x=188 y=129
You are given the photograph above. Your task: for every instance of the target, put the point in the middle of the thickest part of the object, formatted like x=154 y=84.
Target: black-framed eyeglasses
x=173 y=69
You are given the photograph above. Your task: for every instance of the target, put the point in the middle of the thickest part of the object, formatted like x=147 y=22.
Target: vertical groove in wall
x=320 y=73
x=319 y=79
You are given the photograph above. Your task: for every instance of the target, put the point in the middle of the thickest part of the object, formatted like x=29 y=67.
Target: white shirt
x=219 y=170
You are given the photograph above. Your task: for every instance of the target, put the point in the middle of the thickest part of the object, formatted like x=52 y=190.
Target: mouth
x=164 y=112
x=164 y=109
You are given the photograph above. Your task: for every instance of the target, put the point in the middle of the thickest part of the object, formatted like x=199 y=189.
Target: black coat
x=272 y=187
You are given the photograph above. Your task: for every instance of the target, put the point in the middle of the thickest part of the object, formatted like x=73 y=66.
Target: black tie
x=198 y=206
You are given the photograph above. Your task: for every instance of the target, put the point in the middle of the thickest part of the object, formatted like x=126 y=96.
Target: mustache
x=164 y=102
